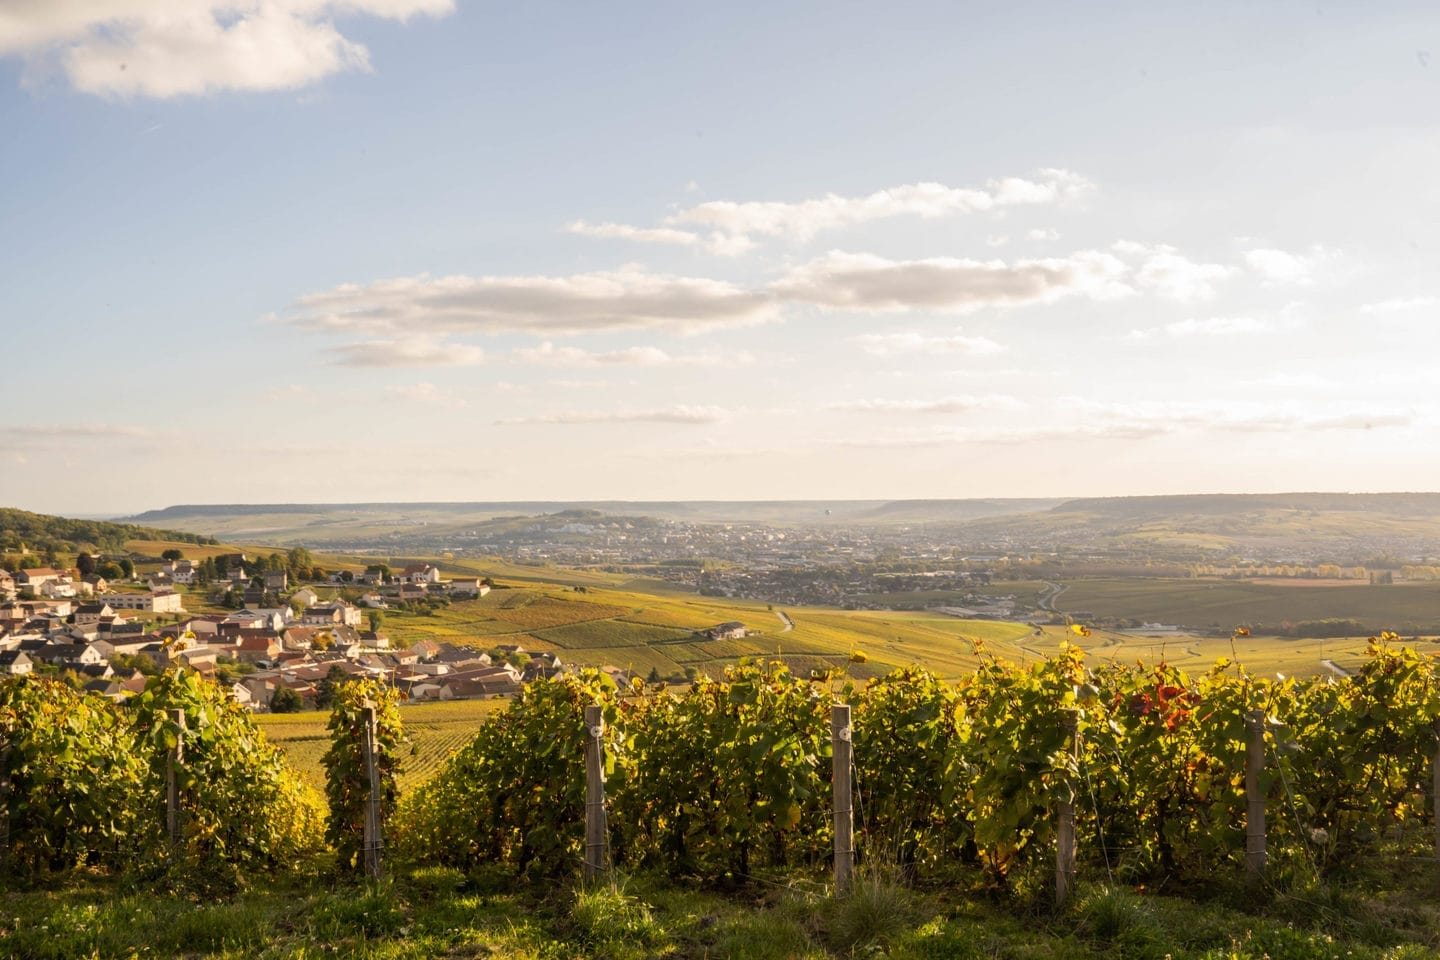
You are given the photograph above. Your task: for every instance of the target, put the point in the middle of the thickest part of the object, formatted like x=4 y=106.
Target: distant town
x=282 y=648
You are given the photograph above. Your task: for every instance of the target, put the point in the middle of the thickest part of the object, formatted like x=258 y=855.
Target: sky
x=424 y=250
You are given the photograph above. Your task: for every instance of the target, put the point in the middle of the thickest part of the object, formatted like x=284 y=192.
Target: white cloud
x=867 y=282
x=626 y=299
x=407 y=352
x=900 y=344
x=1400 y=305
x=547 y=354
x=1278 y=267
x=623 y=231
x=1210 y=327
x=682 y=414
x=1165 y=271
x=956 y=404
x=734 y=225
x=1045 y=235
x=426 y=393
x=167 y=48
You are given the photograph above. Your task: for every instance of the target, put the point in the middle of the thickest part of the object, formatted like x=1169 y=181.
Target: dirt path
x=785 y=619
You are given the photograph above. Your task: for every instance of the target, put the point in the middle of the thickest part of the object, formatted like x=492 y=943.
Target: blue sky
x=423 y=250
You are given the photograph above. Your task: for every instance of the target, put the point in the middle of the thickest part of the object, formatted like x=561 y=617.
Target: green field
x=1223 y=604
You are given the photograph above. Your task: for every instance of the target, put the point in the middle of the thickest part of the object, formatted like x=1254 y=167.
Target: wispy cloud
x=428 y=394
x=627 y=299
x=1129 y=422
x=909 y=342
x=161 y=48
x=682 y=414
x=549 y=355
x=1400 y=305
x=621 y=231
x=859 y=281
x=942 y=405
x=1208 y=327
x=1282 y=267
x=731 y=227
x=70 y=431
x=1163 y=270
x=409 y=352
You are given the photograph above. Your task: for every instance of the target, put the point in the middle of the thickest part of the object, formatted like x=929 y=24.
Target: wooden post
x=1065 y=816
x=1435 y=792
x=841 y=770
x=4 y=805
x=595 y=829
x=172 y=781
x=374 y=841
x=1254 y=797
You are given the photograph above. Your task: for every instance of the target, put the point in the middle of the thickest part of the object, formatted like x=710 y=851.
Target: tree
x=127 y=567
x=286 y=700
x=298 y=563
x=654 y=676
x=85 y=563
x=325 y=689
x=110 y=571
x=172 y=555
x=376 y=620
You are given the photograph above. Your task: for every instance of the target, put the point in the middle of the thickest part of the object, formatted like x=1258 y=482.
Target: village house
x=305 y=597
x=335 y=613
x=61 y=588
x=467 y=587
x=420 y=573
x=36 y=577
x=730 y=630
x=16 y=663
x=92 y=613
x=182 y=571
x=276 y=580
x=153 y=602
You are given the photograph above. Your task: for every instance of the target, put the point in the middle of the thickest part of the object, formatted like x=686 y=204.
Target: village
x=282 y=650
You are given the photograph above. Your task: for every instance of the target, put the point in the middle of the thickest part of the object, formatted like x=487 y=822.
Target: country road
x=785 y=619
x=1047 y=602
x=1335 y=668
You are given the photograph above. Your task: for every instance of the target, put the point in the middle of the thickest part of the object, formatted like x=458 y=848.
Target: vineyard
x=968 y=784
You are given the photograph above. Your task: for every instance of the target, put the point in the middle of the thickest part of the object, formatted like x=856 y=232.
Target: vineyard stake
x=1435 y=791
x=373 y=838
x=840 y=777
x=1254 y=797
x=4 y=806
x=1065 y=827
x=172 y=781
x=594 y=792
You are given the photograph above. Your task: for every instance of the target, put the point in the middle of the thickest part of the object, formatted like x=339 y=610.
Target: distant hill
x=1223 y=504
x=1197 y=527
x=40 y=531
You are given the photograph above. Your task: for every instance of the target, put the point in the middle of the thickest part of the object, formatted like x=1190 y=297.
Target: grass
x=425 y=912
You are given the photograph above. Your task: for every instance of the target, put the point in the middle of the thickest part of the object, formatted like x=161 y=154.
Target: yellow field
x=435 y=729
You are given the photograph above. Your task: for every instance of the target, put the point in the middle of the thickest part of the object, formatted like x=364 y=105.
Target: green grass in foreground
x=432 y=912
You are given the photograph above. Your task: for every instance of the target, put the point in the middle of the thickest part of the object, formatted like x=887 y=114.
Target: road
x=1053 y=590
x=785 y=619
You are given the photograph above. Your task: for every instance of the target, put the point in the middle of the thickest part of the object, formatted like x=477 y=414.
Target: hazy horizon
x=433 y=250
